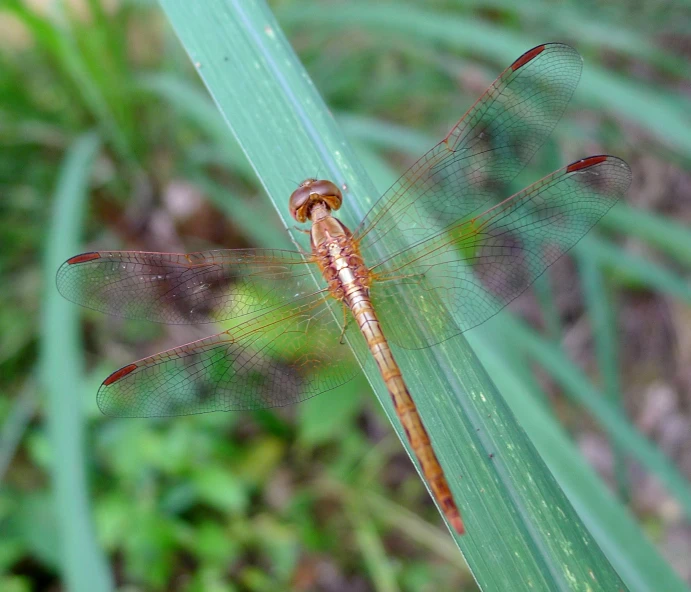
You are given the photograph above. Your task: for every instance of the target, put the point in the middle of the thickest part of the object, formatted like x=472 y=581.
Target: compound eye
x=313 y=191
x=328 y=192
x=299 y=202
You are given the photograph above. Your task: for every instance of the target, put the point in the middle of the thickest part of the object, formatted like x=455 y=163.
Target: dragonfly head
x=311 y=192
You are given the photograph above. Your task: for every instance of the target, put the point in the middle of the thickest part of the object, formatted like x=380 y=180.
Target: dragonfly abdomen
x=348 y=278
x=358 y=302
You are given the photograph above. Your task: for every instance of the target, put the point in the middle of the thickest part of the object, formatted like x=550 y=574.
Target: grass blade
x=666 y=234
x=636 y=559
x=622 y=540
x=660 y=115
x=603 y=326
x=576 y=385
x=523 y=533
x=58 y=44
x=23 y=409
x=84 y=568
x=636 y=269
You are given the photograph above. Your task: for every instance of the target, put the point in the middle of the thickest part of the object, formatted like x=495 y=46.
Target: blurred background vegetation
x=110 y=141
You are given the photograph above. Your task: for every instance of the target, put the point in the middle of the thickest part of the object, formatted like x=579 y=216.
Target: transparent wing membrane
x=276 y=359
x=179 y=288
x=465 y=257
x=477 y=267
x=486 y=149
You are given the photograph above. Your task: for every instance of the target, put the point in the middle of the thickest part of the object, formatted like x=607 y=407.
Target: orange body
x=339 y=259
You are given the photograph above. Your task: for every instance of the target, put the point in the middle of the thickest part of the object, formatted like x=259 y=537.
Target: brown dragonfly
x=466 y=256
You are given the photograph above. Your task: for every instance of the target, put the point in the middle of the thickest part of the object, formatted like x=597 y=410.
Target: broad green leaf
x=522 y=532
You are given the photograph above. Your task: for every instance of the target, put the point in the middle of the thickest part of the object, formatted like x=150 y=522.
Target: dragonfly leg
x=341 y=341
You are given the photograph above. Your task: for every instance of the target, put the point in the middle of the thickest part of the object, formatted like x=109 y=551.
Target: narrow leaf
x=522 y=532
x=84 y=568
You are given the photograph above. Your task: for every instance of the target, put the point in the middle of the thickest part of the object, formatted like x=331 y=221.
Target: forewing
x=177 y=288
x=279 y=358
x=476 y=268
x=486 y=149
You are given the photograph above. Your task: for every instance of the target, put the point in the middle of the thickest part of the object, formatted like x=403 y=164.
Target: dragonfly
x=465 y=256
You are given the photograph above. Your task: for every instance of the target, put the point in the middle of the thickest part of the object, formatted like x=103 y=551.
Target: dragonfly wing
x=281 y=357
x=179 y=288
x=485 y=150
x=476 y=268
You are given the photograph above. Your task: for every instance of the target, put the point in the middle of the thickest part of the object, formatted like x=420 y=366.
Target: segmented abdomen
x=366 y=318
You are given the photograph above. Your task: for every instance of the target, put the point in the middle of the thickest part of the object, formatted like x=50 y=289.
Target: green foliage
x=82 y=564
x=269 y=500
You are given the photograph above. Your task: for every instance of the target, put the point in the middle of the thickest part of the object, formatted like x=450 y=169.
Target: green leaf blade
x=84 y=567
x=522 y=532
